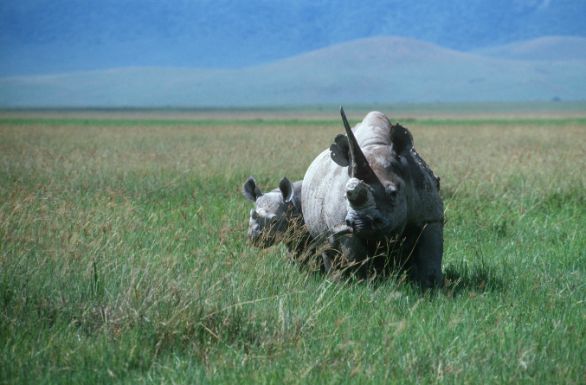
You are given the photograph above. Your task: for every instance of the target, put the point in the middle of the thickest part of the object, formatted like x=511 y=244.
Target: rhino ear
x=340 y=150
x=401 y=138
x=250 y=190
x=286 y=189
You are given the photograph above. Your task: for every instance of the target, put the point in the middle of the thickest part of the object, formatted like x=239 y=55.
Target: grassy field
x=123 y=256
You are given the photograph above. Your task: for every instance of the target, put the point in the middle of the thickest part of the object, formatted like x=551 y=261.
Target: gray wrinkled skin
x=392 y=194
x=277 y=215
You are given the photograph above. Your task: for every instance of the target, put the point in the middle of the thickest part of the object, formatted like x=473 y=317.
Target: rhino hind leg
x=425 y=261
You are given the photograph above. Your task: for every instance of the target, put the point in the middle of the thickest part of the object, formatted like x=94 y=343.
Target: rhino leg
x=426 y=258
x=345 y=250
x=327 y=261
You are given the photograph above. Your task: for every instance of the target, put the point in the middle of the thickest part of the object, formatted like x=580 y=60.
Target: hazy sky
x=41 y=36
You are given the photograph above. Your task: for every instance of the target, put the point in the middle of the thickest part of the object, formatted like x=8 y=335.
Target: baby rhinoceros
x=277 y=216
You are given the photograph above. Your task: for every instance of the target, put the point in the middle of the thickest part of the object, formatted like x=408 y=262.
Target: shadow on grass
x=463 y=277
x=460 y=277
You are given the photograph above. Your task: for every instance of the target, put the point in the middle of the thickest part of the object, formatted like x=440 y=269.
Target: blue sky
x=39 y=36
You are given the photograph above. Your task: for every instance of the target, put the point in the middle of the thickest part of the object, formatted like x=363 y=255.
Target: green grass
x=215 y=122
x=123 y=258
x=114 y=122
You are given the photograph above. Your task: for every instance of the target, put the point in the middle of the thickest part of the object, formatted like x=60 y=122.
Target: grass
x=123 y=257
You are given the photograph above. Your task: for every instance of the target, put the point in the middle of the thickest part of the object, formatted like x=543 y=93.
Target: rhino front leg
x=426 y=257
x=327 y=258
x=344 y=250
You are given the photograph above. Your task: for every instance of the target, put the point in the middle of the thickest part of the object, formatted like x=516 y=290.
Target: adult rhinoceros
x=371 y=186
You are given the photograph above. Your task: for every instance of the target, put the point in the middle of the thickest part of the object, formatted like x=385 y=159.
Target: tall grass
x=123 y=259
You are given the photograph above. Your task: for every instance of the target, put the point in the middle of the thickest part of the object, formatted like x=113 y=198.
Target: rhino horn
x=359 y=167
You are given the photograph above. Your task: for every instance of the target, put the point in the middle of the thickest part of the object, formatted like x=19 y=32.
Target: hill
x=548 y=48
x=373 y=70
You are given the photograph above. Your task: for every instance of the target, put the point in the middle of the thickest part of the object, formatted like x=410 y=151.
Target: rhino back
x=323 y=195
x=374 y=130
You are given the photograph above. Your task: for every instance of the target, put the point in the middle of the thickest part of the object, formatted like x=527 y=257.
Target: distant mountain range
x=56 y=36
x=372 y=70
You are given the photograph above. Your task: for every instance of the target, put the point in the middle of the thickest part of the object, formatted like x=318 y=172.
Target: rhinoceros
x=371 y=187
x=277 y=216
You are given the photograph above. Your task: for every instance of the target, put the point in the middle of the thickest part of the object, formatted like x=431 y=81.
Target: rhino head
x=376 y=197
x=273 y=212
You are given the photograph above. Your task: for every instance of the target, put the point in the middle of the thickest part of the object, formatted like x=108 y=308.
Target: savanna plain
x=123 y=253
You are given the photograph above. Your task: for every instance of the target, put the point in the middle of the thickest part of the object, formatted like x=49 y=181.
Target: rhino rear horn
x=359 y=167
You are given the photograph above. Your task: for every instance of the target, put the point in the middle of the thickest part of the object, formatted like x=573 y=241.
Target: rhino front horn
x=359 y=167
